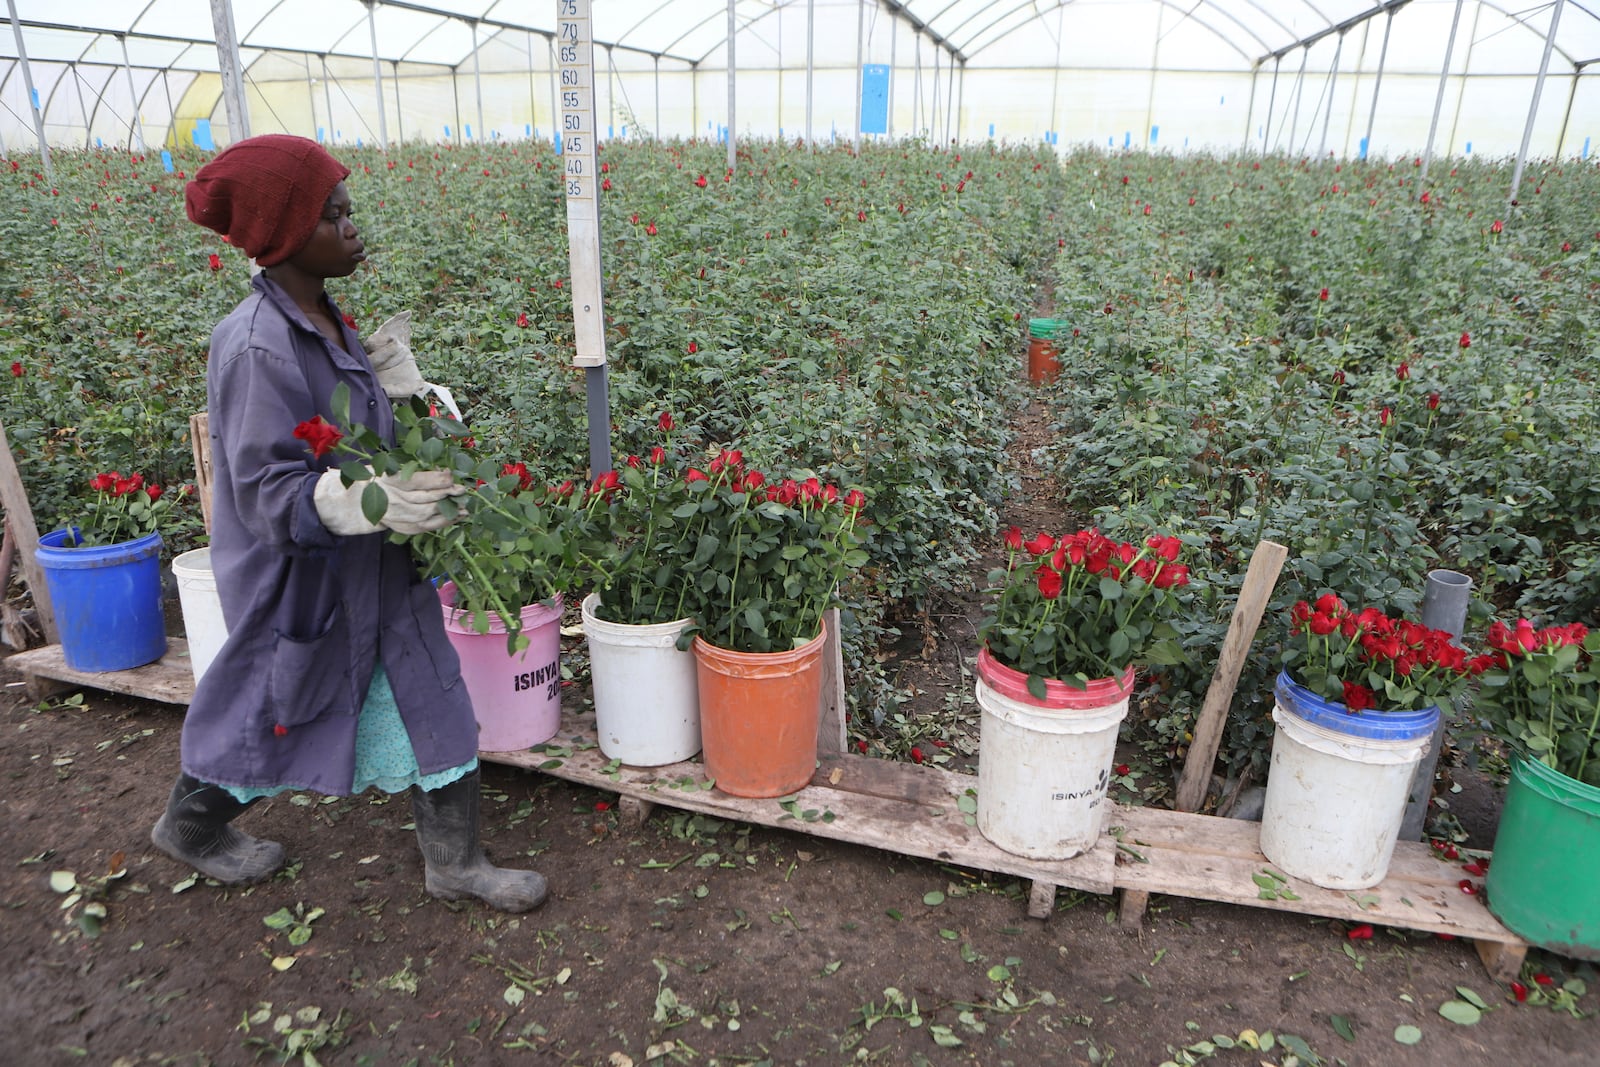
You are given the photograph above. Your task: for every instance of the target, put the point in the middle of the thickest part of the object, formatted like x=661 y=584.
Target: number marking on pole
x=575 y=55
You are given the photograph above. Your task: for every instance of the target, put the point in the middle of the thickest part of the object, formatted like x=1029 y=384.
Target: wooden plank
x=1259 y=579
x=200 y=440
x=1207 y=858
x=830 y=726
x=928 y=823
x=169 y=680
x=14 y=499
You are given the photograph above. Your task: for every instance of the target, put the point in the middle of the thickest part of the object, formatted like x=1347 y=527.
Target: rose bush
x=1082 y=606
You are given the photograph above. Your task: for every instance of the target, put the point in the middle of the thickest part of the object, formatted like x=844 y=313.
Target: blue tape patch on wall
x=875 y=98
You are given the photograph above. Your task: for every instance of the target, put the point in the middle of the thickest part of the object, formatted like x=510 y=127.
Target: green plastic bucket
x=1046 y=328
x=1544 y=876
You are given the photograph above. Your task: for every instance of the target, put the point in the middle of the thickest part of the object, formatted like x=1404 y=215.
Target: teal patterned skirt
x=384 y=759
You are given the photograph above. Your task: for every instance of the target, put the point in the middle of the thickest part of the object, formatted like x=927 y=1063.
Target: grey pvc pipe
x=1445 y=595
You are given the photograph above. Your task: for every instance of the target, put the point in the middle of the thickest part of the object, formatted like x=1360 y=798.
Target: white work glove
x=389 y=348
x=413 y=502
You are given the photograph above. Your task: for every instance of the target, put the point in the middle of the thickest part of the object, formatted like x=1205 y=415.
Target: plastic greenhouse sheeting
x=1225 y=75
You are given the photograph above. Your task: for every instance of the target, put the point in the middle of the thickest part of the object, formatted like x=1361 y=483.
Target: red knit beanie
x=265 y=194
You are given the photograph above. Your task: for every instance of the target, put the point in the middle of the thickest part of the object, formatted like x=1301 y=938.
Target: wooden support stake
x=1130 y=914
x=1253 y=596
x=1503 y=961
x=200 y=440
x=635 y=811
x=14 y=498
x=830 y=727
x=1041 y=900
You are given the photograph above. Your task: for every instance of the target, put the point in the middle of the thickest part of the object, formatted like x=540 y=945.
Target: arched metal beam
x=1340 y=28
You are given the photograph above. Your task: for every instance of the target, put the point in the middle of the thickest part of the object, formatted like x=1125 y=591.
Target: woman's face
x=335 y=249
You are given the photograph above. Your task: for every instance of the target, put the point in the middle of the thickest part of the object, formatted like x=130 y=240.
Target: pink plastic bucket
x=517 y=698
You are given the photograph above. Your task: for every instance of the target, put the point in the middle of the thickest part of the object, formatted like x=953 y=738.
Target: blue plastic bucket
x=107 y=601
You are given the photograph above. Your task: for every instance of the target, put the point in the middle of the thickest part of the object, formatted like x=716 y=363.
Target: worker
x=336 y=675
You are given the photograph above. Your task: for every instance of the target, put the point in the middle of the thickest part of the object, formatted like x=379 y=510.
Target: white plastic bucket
x=1043 y=771
x=202 y=608
x=1336 y=798
x=646 y=696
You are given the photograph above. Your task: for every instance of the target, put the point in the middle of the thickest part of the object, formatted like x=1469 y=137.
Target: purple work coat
x=309 y=613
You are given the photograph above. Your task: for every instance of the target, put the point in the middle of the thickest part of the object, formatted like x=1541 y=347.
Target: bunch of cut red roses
x=1082 y=606
x=755 y=560
x=514 y=542
x=125 y=508
x=1540 y=691
x=1368 y=661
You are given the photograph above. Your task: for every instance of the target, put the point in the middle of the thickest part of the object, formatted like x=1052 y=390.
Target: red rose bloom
x=319 y=436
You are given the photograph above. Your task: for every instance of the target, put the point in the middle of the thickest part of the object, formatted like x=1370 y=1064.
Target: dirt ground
x=684 y=941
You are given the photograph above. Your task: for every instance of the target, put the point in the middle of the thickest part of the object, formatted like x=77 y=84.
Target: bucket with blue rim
x=1338 y=784
x=106 y=599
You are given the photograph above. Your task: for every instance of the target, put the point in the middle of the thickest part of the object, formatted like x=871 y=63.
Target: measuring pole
x=575 y=53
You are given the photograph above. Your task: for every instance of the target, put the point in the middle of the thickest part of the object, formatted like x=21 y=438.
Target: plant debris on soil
x=685 y=940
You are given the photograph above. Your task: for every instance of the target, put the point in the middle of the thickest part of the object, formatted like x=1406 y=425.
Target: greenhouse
x=1346 y=77
x=765 y=533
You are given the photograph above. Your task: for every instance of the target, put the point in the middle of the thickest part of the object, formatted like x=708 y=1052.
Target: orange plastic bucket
x=758 y=717
x=1043 y=364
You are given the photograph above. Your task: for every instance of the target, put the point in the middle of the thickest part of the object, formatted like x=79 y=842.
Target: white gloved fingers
x=414 y=501
x=389 y=349
x=423 y=487
x=339 y=505
x=390 y=342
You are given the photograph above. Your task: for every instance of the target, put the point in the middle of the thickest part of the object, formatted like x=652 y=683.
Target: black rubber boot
x=447 y=830
x=195 y=830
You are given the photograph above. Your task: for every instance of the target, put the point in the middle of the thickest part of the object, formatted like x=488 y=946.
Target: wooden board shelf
x=900 y=808
x=169 y=679
x=914 y=811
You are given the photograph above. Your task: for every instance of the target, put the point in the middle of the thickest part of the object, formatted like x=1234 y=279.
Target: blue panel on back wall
x=874 y=98
x=447 y=133
x=467 y=126
x=1469 y=148
x=321 y=133
x=1586 y=148
x=1127 y=138
x=611 y=133
x=166 y=161
x=527 y=130
x=202 y=135
x=559 y=148
x=97 y=143
x=991 y=131
x=1155 y=131
x=1363 y=148
x=36 y=100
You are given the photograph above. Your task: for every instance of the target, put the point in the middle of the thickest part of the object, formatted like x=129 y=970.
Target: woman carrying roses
x=336 y=675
